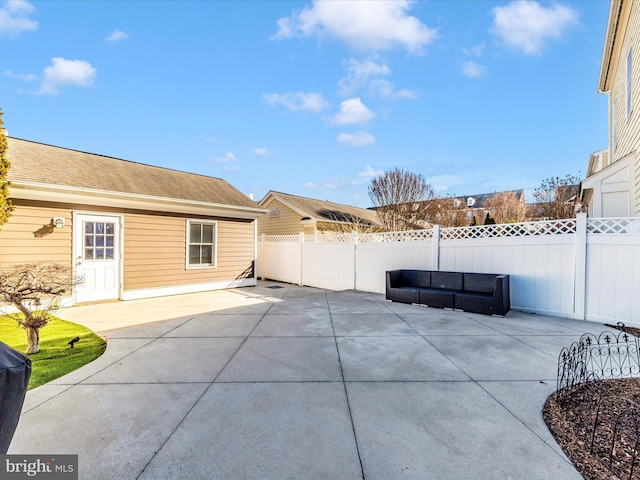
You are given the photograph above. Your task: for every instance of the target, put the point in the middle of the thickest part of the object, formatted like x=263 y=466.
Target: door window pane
x=99 y=235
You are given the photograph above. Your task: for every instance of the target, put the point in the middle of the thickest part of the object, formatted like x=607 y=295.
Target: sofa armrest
x=502 y=295
x=394 y=278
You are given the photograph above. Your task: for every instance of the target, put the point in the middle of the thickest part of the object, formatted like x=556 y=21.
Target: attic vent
x=275 y=213
x=471 y=202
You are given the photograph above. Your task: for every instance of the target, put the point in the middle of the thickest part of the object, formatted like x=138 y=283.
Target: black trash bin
x=15 y=370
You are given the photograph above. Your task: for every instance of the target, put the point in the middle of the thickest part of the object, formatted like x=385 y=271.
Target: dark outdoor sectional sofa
x=486 y=293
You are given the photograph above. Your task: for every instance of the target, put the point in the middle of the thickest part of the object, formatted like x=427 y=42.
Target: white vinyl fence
x=579 y=268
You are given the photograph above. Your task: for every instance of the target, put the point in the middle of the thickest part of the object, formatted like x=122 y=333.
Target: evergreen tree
x=6 y=207
x=489 y=220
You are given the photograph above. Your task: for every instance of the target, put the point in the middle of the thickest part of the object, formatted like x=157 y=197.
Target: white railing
x=578 y=268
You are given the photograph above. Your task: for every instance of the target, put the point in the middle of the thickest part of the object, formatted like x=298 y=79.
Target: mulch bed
x=570 y=419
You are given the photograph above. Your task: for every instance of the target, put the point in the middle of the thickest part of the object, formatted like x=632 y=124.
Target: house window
x=629 y=71
x=471 y=202
x=201 y=243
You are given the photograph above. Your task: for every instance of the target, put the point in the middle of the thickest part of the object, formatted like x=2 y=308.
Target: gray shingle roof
x=46 y=164
x=323 y=210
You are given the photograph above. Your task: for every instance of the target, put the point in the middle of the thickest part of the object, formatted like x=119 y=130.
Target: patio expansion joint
x=81 y=382
x=188 y=412
x=526 y=426
x=346 y=393
x=477 y=383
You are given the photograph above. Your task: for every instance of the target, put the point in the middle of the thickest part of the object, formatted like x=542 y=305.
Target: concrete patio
x=301 y=383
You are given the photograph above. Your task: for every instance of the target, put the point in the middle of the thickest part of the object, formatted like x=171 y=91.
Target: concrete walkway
x=300 y=383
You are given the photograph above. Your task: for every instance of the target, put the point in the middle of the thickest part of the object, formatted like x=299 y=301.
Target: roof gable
x=323 y=210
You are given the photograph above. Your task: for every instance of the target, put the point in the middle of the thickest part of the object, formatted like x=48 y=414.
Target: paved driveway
x=301 y=383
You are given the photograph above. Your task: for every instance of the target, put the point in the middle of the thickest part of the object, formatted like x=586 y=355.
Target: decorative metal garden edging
x=611 y=423
x=608 y=355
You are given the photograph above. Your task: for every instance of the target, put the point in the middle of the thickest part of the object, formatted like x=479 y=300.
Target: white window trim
x=215 y=244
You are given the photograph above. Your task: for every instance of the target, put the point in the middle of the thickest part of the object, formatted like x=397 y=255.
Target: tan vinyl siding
x=288 y=223
x=627 y=128
x=155 y=252
x=28 y=237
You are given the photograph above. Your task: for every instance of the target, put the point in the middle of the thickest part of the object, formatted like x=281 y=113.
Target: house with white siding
x=130 y=230
x=612 y=186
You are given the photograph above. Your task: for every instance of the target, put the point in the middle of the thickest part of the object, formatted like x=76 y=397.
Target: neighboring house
x=460 y=210
x=131 y=230
x=612 y=186
x=292 y=214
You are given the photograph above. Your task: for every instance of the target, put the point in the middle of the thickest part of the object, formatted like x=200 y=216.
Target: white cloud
x=370 y=26
x=444 y=182
x=473 y=69
x=229 y=168
x=116 y=36
x=14 y=17
x=297 y=102
x=333 y=184
x=476 y=50
x=311 y=185
x=369 y=172
x=260 y=151
x=229 y=157
x=352 y=111
x=25 y=77
x=526 y=25
x=366 y=74
x=358 y=74
x=63 y=72
x=386 y=89
x=358 y=139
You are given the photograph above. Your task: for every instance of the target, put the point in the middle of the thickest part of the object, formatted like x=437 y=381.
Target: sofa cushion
x=446 y=280
x=416 y=278
x=437 y=297
x=477 y=303
x=479 y=282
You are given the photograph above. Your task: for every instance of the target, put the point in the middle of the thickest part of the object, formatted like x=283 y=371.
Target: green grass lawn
x=55 y=357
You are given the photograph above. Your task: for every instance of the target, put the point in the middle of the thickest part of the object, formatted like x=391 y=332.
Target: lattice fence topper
x=281 y=238
x=329 y=238
x=614 y=226
x=608 y=355
x=524 y=229
x=403 y=236
x=601 y=226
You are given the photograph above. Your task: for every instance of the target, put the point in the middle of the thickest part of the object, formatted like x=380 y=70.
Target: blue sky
x=313 y=98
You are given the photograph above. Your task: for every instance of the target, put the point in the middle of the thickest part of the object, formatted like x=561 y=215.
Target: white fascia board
x=62 y=194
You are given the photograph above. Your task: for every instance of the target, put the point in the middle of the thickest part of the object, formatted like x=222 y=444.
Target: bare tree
x=557 y=197
x=35 y=289
x=447 y=212
x=507 y=207
x=401 y=199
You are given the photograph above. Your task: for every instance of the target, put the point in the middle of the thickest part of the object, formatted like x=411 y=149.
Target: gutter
x=78 y=195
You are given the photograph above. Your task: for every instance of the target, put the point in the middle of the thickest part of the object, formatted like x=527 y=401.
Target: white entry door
x=96 y=253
